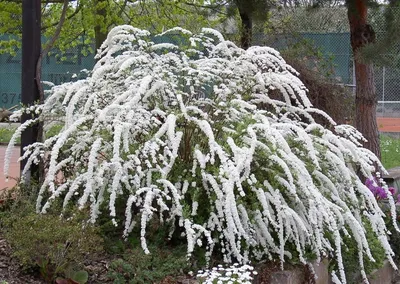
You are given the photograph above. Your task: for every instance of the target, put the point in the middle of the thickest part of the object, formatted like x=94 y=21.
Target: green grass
x=6 y=134
x=390 y=151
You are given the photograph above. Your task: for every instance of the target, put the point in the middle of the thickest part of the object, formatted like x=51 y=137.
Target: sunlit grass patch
x=390 y=149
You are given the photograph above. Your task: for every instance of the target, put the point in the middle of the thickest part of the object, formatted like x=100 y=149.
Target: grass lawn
x=6 y=133
x=390 y=148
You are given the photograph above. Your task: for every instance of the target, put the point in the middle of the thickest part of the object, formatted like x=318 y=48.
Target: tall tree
x=368 y=50
x=361 y=35
x=100 y=30
x=250 y=11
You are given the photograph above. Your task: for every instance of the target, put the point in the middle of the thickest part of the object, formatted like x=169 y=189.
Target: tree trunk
x=366 y=100
x=100 y=32
x=246 y=35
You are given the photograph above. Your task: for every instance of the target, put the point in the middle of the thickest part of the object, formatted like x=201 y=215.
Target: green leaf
x=81 y=276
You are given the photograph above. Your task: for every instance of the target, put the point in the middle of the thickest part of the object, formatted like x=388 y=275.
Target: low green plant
x=139 y=268
x=351 y=262
x=74 y=277
x=51 y=244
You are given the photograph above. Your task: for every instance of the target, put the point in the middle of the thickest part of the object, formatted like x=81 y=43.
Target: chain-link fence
x=328 y=30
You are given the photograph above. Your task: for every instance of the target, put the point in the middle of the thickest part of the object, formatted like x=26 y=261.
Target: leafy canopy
x=83 y=16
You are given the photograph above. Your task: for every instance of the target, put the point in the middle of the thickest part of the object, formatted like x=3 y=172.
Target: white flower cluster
x=216 y=142
x=234 y=274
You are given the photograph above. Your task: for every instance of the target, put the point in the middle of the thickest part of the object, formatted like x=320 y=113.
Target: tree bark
x=100 y=33
x=246 y=35
x=366 y=100
x=366 y=103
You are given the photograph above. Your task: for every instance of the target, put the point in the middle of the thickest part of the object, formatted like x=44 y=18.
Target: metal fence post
x=383 y=89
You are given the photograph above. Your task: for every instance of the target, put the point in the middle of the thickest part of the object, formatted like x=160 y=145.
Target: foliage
x=390 y=148
x=189 y=134
x=385 y=50
x=52 y=244
x=74 y=277
x=351 y=263
x=381 y=192
x=303 y=19
x=137 y=267
x=10 y=30
x=83 y=16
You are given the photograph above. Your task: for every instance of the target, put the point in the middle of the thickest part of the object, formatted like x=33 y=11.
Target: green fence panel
x=335 y=45
x=54 y=69
x=338 y=46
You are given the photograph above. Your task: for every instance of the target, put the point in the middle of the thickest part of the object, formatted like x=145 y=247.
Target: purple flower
x=380 y=192
x=369 y=183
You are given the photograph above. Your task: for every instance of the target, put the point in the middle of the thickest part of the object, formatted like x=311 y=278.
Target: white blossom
x=220 y=139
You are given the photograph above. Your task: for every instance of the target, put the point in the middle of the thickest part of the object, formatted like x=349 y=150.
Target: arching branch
x=47 y=48
x=77 y=10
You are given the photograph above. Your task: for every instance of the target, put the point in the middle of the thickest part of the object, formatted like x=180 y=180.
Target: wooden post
x=31 y=48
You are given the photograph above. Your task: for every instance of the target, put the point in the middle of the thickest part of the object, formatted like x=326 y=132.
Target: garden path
x=14 y=168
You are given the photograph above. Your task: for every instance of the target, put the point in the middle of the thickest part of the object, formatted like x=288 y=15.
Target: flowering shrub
x=217 y=142
x=231 y=275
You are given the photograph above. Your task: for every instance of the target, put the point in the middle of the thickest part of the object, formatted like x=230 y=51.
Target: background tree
x=250 y=11
x=88 y=21
x=362 y=34
x=368 y=51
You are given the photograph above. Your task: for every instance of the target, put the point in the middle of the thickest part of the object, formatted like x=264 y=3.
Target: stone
x=322 y=273
x=383 y=275
x=295 y=276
